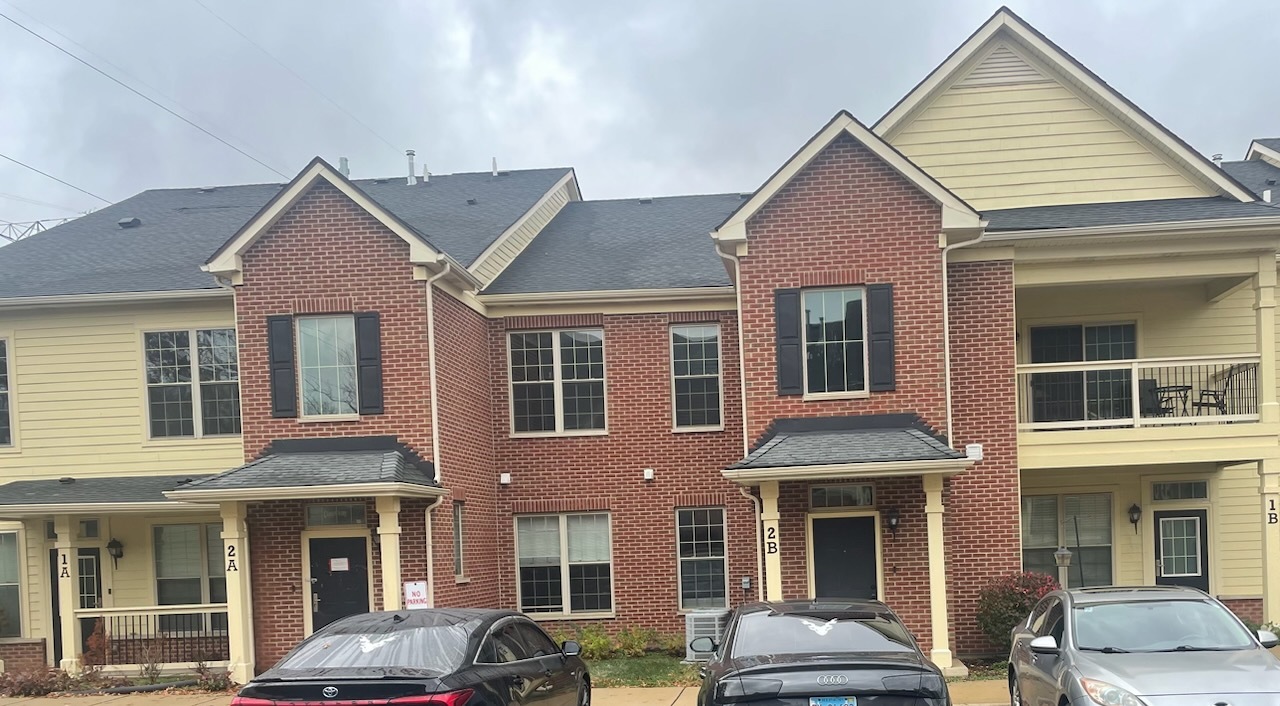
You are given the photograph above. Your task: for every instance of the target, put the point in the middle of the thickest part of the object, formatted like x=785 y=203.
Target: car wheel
x=584 y=693
x=1015 y=693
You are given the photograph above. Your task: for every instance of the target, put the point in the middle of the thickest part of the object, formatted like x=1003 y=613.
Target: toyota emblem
x=833 y=679
x=330 y=692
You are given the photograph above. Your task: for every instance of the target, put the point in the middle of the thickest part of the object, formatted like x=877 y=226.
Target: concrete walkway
x=974 y=693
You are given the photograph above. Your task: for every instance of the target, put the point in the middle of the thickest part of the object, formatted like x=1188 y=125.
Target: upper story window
x=193 y=386
x=327 y=366
x=1088 y=394
x=695 y=373
x=557 y=381
x=835 y=341
x=6 y=423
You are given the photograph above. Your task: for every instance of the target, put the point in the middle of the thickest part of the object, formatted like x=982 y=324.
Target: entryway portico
x=830 y=491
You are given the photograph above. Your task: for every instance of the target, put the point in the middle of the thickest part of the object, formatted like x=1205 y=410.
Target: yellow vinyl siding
x=1002 y=136
x=80 y=395
x=506 y=251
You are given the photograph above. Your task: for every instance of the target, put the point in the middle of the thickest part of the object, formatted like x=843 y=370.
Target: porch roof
x=864 y=445
x=90 y=494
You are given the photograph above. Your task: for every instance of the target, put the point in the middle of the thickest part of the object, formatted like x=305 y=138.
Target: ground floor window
x=10 y=586
x=565 y=563
x=700 y=541
x=1081 y=523
x=188 y=565
x=458 y=509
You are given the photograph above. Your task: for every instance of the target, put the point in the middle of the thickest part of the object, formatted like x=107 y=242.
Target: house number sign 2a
x=231 y=558
x=1273 y=517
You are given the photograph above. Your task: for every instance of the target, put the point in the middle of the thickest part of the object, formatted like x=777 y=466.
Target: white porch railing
x=1138 y=393
x=171 y=634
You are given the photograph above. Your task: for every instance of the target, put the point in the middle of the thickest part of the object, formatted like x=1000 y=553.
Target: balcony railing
x=173 y=634
x=1138 y=393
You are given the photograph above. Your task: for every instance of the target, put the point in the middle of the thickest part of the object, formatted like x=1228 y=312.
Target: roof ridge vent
x=381 y=181
x=647 y=199
x=66 y=480
x=471 y=202
x=130 y=222
x=206 y=190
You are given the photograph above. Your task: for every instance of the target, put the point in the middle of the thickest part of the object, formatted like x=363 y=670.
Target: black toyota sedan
x=819 y=653
x=430 y=657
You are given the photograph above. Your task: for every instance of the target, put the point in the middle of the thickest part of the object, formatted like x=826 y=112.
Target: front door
x=844 y=557
x=90 y=567
x=1182 y=548
x=56 y=612
x=339 y=578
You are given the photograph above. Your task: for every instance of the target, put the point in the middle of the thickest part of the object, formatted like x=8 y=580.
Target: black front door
x=56 y=613
x=339 y=579
x=844 y=557
x=1182 y=548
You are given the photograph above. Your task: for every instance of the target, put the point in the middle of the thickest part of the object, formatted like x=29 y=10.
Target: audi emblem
x=833 y=680
x=330 y=692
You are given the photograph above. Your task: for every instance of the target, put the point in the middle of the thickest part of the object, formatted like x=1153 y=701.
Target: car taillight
x=445 y=698
x=250 y=701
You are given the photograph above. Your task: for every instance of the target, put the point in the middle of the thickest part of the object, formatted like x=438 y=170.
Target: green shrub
x=634 y=642
x=1007 y=600
x=672 y=645
x=596 y=643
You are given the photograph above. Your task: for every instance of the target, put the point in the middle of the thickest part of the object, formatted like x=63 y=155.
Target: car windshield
x=1156 y=626
x=816 y=632
x=435 y=649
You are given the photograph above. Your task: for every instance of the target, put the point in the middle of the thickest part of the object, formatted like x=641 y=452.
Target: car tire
x=584 y=693
x=1015 y=692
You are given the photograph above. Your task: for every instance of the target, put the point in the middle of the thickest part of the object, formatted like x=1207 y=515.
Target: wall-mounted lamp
x=648 y=474
x=1135 y=514
x=375 y=539
x=504 y=479
x=116 y=550
x=893 y=519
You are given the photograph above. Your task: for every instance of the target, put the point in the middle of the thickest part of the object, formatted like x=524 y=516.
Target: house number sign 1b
x=1273 y=517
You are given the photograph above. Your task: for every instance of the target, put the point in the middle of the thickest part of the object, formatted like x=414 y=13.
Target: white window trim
x=303 y=417
x=204 y=526
x=1199 y=548
x=804 y=349
x=24 y=607
x=197 y=411
x=558 y=386
x=306 y=516
x=724 y=528
x=671 y=349
x=11 y=371
x=565 y=598
x=459 y=540
x=840 y=508
x=1062 y=519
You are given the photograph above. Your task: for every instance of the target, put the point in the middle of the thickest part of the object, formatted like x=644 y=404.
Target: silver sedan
x=1154 y=646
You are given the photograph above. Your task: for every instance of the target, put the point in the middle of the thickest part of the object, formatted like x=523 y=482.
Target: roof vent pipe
x=426 y=174
x=1217 y=160
x=343 y=168
x=412 y=179
x=1266 y=195
x=495 y=166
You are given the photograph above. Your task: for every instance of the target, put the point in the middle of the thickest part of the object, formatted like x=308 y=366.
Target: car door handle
x=516 y=679
x=548 y=672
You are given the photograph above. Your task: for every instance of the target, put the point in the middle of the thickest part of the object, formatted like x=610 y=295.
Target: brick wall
x=605 y=472
x=1248 y=609
x=23 y=656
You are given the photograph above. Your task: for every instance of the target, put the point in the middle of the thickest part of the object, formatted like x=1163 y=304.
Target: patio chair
x=1150 y=402
x=1213 y=398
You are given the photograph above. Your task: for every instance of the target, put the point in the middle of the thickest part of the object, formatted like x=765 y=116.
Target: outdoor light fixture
x=892 y=518
x=375 y=538
x=1062 y=558
x=1135 y=514
x=116 y=550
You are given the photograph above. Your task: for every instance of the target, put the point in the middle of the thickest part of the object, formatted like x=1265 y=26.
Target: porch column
x=68 y=573
x=235 y=559
x=772 y=557
x=1269 y=487
x=389 y=549
x=941 y=636
x=1264 y=306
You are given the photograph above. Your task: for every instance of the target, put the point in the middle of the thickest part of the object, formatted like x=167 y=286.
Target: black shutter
x=369 y=362
x=284 y=381
x=786 y=313
x=880 y=337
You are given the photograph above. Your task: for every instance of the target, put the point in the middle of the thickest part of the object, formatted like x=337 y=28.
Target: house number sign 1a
x=1273 y=517
x=65 y=571
x=231 y=558
x=771 y=540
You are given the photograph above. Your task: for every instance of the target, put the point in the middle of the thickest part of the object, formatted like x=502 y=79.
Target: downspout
x=946 y=327
x=746 y=438
x=435 y=427
x=431 y=553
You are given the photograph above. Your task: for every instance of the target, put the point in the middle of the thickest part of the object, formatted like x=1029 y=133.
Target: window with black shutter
x=835 y=341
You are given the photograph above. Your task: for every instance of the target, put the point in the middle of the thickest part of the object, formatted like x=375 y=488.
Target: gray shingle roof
x=624 y=244
x=181 y=228
x=1271 y=143
x=1123 y=213
x=300 y=469
x=835 y=440
x=1257 y=175
x=104 y=489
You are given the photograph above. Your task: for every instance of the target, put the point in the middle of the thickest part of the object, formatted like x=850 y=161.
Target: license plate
x=833 y=701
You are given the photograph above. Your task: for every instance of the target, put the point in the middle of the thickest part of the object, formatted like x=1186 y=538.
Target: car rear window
x=819 y=633
x=1155 y=626
x=436 y=649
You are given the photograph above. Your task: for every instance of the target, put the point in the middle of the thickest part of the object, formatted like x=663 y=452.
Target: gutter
x=946 y=327
x=689 y=293
x=1138 y=229
x=111 y=298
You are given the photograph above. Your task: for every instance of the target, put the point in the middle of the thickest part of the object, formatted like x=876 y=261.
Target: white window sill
x=695 y=430
x=699 y=611
x=554 y=434
x=461 y=579
x=818 y=396
x=329 y=418
x=10 y=449
x=570 y=616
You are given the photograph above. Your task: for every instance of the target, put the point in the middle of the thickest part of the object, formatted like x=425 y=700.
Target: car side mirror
x=1044 y=645
x=1268 y=639
x=570 y=649
x=703 y=644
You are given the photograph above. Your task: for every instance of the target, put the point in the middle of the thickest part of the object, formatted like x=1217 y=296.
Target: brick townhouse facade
x=483 y=390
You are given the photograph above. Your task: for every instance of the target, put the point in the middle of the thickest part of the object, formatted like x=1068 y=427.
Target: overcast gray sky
x=643 y=98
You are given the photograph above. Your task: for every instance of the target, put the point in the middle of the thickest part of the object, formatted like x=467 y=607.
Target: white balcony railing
x=167 y=634
x=1138 y=393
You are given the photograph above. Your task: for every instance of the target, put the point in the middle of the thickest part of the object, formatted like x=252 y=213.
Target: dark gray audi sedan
x=826 y=652
x=1152 y=646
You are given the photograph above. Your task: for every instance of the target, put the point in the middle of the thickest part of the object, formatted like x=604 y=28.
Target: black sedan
x=437 y=657
x=819 y=653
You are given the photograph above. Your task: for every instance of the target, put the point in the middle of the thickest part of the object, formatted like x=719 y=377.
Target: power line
x=16 y=197
x=64 y=183
x=138 y=93
x=296 y=75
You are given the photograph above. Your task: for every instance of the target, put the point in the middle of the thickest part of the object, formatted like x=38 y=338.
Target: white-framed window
x=557 y=381
x=459 y=508
x=564 y=563
x=6 y=418
x=696 y=385
x=1081 y=523
x=335 y=514
x=327 y=366
x=835 y=340
x=193 y=382
x=1172 y=491
x=703 y=567
x=188 y=568
x=843 y=495
x=10 y=585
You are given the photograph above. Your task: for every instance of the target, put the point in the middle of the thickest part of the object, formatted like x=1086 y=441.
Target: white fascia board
x=612 y=295
x=113 y=298
x=309 y=492
x=33 y=510
x=1266 y=225
x=839 y=471
x=506 y=234
x=1262 y=152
